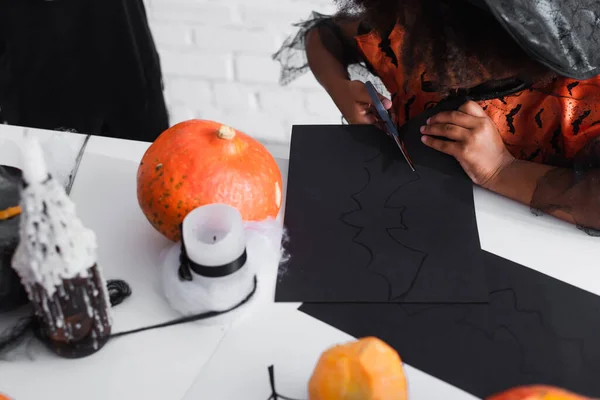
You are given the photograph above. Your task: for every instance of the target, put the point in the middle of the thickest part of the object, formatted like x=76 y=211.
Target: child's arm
x=326 y=45
x=330 y=50
x=571 y=194
x=330 y=37
x=555 y=191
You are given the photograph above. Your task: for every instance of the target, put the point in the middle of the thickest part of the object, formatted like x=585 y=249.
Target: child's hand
x=354 y=102
x=475 y=141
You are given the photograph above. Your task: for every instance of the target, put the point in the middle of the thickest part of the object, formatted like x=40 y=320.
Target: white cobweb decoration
x=263 y=243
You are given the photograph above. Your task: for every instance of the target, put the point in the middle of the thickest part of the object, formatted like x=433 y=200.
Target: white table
x=230 y=362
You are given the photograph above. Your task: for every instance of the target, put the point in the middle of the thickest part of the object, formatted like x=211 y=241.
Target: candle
x=214 y=235
x=34 y=167
x=210 y=270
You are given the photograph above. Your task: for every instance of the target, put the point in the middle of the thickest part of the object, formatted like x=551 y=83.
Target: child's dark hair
x=457 y=44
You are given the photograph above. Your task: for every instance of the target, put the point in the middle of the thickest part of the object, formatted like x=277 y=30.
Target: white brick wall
x=216 y=60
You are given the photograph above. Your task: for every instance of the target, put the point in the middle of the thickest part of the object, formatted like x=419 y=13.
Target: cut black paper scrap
x=534 y=330
x=365 y=228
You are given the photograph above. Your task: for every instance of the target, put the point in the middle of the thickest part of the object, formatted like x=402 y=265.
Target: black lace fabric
x=573 y=191
x=292 y=54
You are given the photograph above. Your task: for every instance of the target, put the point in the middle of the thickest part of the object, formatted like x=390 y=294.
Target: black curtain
x=86 y=65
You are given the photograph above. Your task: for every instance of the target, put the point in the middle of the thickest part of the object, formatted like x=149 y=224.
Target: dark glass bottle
x=75 y=321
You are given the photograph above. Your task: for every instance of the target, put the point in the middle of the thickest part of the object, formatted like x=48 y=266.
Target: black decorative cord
x=118 y=291
x=274 y=394
x=192 y=318
x=12 y=337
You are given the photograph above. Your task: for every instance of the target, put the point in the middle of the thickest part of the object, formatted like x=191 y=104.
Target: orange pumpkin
x=366 y=369
x=200 y=162
x=537 y=392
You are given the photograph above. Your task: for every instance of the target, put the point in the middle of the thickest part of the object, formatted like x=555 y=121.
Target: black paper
x=425 y=156
x=364 y=228
x=534 y=330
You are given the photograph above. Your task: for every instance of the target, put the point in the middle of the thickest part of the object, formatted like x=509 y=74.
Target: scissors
x=392 y=131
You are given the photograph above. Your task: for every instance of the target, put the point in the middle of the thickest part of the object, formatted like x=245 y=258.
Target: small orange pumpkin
x=365 y=369
x=537 y=392
x=201 y=162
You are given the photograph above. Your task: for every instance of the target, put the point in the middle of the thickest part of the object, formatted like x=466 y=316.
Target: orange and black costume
x=556 y=123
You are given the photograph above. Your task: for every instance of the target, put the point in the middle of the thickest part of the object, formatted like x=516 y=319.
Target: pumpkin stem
x=226 y=132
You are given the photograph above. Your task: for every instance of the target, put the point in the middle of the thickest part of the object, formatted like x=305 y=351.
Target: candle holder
x=56 y=262
x=209 y=271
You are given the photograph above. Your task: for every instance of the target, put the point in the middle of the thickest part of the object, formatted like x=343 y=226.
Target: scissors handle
x=385 y=116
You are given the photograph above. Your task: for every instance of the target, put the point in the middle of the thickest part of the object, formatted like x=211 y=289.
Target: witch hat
x=563 y=35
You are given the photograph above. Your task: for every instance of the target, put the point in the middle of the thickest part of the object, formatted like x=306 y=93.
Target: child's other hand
x=475 y=141
x=354 y=102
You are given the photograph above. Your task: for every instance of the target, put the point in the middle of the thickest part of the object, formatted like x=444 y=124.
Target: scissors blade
x=403 y=151
x=392 y=131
